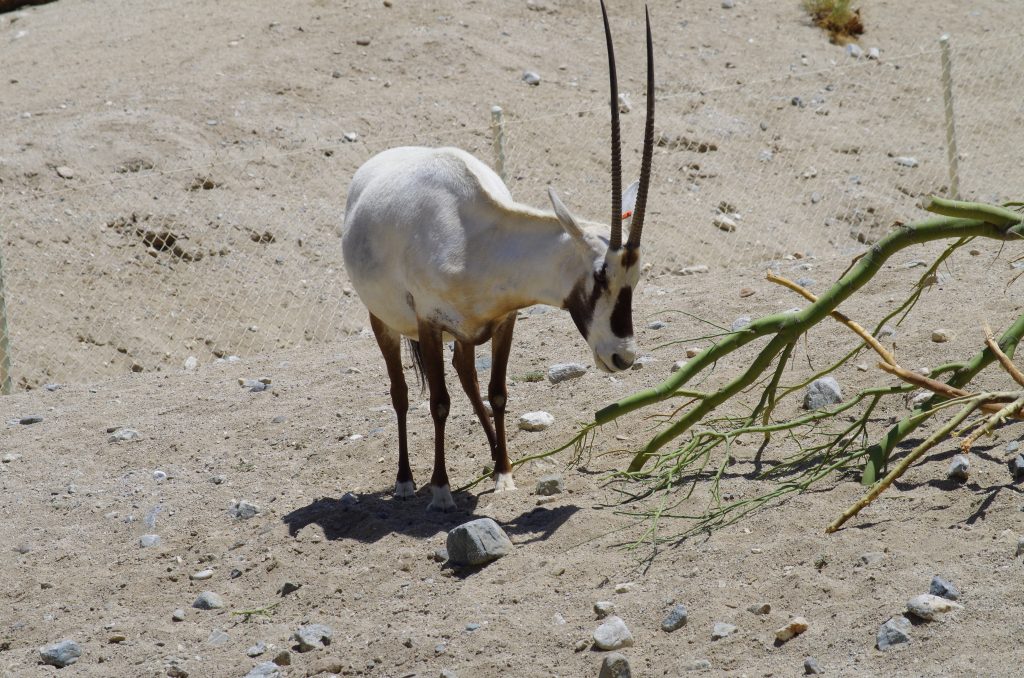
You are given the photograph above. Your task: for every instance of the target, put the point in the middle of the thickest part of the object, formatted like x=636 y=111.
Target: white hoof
x=405 y=490
x=504 y=483
x=442 y=500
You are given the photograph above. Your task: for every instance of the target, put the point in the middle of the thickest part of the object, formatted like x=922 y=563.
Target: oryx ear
x=629 y=202
x=565 y=217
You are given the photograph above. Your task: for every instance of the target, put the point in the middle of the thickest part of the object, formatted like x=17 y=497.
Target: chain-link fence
x=238 y=254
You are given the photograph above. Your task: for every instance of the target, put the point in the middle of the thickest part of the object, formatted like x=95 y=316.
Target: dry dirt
x=73 y=505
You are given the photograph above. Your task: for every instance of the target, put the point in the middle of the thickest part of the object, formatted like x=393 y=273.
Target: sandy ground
x=257 y=98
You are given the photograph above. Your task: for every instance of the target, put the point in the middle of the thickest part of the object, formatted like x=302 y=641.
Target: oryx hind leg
x=497 y=393
x=432 y=352
x=390 y=343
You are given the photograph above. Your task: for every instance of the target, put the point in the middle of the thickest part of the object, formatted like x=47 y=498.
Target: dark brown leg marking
x=497 y=392
x=465 y=367
x=391 y=347
x=432 y=347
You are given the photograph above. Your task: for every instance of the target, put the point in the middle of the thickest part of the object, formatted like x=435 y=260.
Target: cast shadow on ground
x=378 y=514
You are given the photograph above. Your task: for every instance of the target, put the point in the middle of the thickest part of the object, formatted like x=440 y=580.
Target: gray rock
x=64 y=653
x=264 y=670
x=124 y=435
x=893 y=632
x=675 y=619
x=313 y=637
x=243 y=510
x=812 y=668
x=178 y=615
x=697 y=665
x=874 y=54
x=760 y=608
x=218 y=638
x=612 y=634
x=190 y=363
x=65 y=172
x=30 y=419
x=822 y=393
x=677 y=365
x=728 y=4
x=854 y=51
x=871 y=558
x=147 y=540
x=208 y=600
x=550 y=484
x=724 y=223
x=944 y=589
x=692 y=270
x=351 y=137
x=565 y=371
x=959 y=468
x=1012 y=446
x=448 y=673
x=639 y=363
x=257 y=649
x=656 y=325
x=740 y=323
x=615 y=665
x=722 y=630
x=886 y=331
x=906 y=161
x=604 y=608
x=535 y=421
x=531 y=78
x=940 y=335
x=477 y=542
x=1017 y=466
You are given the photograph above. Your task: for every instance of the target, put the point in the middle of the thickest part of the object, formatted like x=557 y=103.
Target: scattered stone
x=159 y=476
x=613 y=634
x=728 y=4
x=202 y=575
x=747 y=292
x=255 y=385
x=812 y=668
x=550 y=484
x=288 y=587
x=440 y=555
x=1012 y=446
x=64 y=653
x=930 y=607
x=871 y=558
x=448 y=673
x=190 y=363
x=531 y=78
x=535 y=421
x=697 y=665
x=940 y=336
x=677 y=365
x=656 y=325
x=874 y=54
x=257 y=649
x=692 y=270
x=604 y=608
x=959 y=468
x=675 y=619
x=740 y=323
x=760 y=608
x=886 y=331
x=350 y=137
x=906 y=161
x=724 y=223
x=625 y=105
x=477 y=542
x=625 y=587
x=178 y=615
x=123 y=435
x=175 y=671
x=565 y=371
x=722 y=630
x=615 y=665
x=65 y=172
x=794 y=628
x=1017 y=466
x=208 y=600
x=822 y=392
x=265 y=670
x=218 y=638
x=363 y=41
x=639 y=363
x=854 y=51
x=944 y=589
x=243 y=510
x=283 y=658
x=893 y=632
x=29 y=420
x=147 y=540
x=313 y=637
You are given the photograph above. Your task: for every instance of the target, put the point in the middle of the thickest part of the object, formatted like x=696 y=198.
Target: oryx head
x=601 y=303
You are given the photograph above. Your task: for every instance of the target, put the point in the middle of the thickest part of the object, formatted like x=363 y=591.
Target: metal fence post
x=498 y=140
x=947 y=96
x=5 y=338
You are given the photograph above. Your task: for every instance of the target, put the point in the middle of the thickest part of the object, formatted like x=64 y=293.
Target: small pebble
x=208 y=600
x=218 y=637
x=65 y=172
x=550 y=484
x=871 y=558
x=873 y=53
x=906 y=161
x=746 y=292
x=675 y=619
x=940 y=336
x=64 y=653
x=822 y=393
x=625 y=587
x=178 y=615
x=124 y=434
x=31 y=419
x=893 y=632
x=697 y=665
x=854 y=51
x=677 y=365
x=656 y=325
x=477 y=542
x=760 y=608
x=722 y=630
x=243 y=510
x=613 y=634
x=313 y=637
x=812 y=668
x=147 y=540
x=565 y=371
x=531 y=78
x=959 y=468
x=202 y=575
x=794 y=628
x=692 y=270
x=724 y=223
x=350 y=137
x=604 y=608
x=929 y=607
x=190 y=363
x=740 y=323
x=1017 y=466
x=257 y=649
x=363 y=41
x=265 y=670
x=535 y=421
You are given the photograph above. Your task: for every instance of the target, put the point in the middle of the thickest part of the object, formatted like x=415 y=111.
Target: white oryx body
x=435 y=246
x=435 y=234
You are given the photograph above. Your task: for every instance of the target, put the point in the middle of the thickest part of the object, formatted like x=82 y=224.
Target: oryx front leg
x=497 y=392
x=432 y=350
x=391 y=348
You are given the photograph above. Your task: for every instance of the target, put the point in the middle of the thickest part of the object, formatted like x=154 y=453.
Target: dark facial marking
x=622 y=314
x=579 y=307
x=630 y=255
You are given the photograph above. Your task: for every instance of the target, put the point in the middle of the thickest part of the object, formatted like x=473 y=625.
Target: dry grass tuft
x=835 y=16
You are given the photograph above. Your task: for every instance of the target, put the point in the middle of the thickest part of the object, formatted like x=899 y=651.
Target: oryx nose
x=622 y=363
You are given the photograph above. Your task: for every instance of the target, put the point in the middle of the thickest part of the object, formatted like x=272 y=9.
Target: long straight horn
x=637 y=226
x=615 y=241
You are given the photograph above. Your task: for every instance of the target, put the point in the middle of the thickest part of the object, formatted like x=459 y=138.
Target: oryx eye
x=601 y=278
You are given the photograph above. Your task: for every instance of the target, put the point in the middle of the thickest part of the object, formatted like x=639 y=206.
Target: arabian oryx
x=436 y=247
